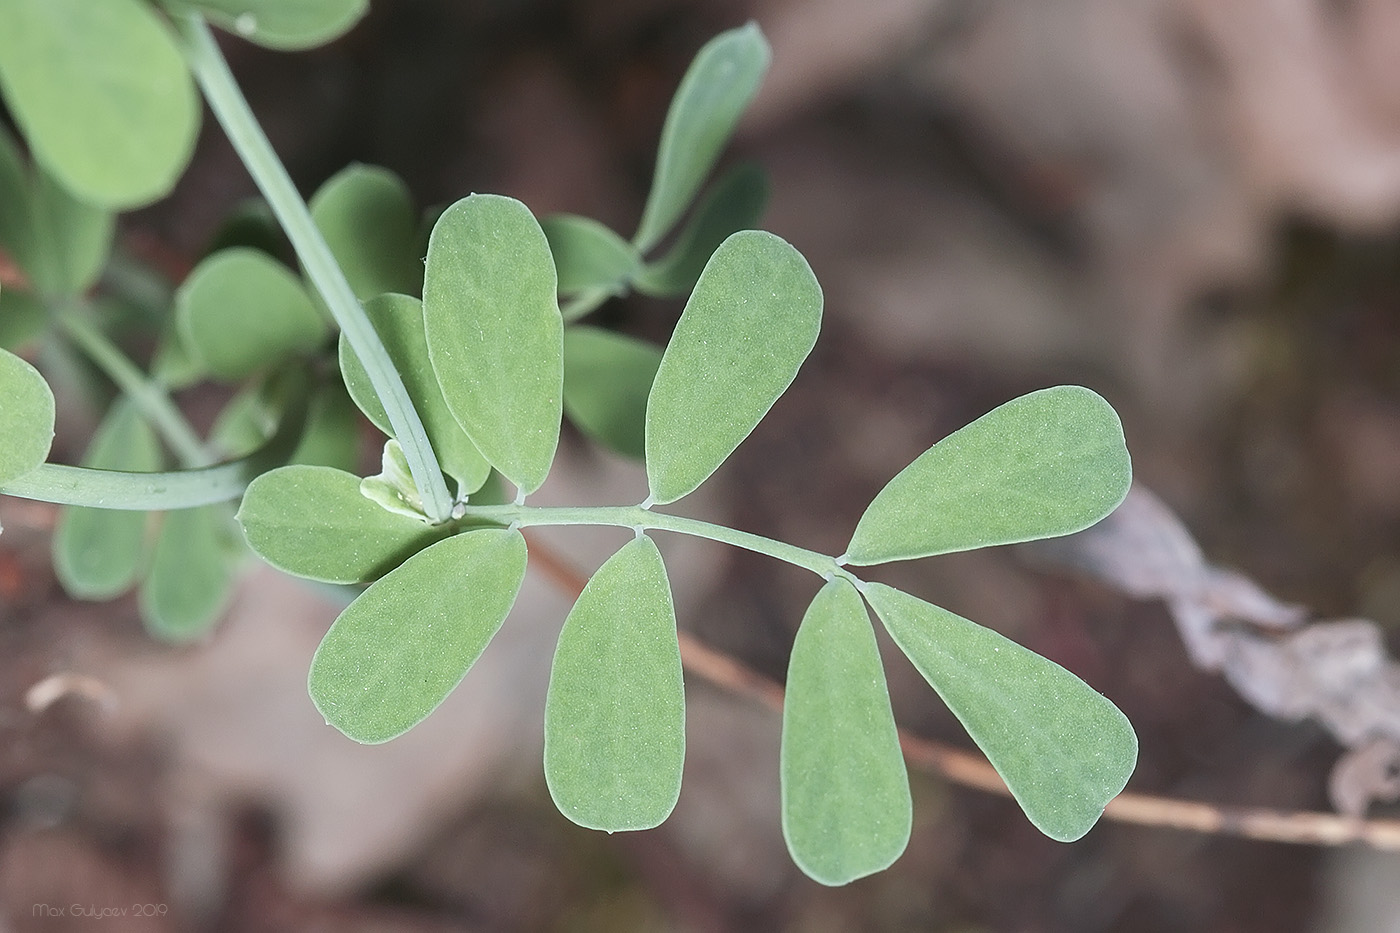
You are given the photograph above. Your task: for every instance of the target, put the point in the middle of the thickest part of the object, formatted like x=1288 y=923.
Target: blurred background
x=1191 y=206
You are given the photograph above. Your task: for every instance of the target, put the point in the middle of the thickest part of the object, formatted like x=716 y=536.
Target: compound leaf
x=1063 y=749
x=102 y=94
x=26 y=417
x=366 y=215
x=398 y=320
x=1048 y=463
x=607 y=378
x=712 y=96
x=100 y=553
x=847 y=812
x=192 y=574
x=281 y=24
x=749 y=324
x=588 y=255
x=401 y=647
x=312 y=521
x=736 y=203
x=240 y=312
x=614 y=719
x=495 y=334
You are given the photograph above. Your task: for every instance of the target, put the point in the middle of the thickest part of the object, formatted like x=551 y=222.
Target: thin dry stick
x=972 y=770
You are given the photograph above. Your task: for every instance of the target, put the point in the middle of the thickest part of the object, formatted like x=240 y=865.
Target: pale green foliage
x=280 y=24
x=749 y=324
x=102 y=94
x=26 y=417
x=588 y=255
x=100 y=553
x=1049 y=463
x=366 y=215
x=607 y=378
x=399 y=649
x=192 y=572
x=846 y=806
x=494 y=333
x=241 y=312
x=614 y=720
x=1063 y=749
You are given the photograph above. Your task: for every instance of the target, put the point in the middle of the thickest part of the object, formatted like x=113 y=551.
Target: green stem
x=152 y=401
x=636 y=517
x=584 y=303
x=227 y=101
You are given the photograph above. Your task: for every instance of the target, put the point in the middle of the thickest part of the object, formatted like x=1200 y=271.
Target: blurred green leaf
x=588 y=255
x=311 y=521
x=607 y=378
x=26 y=417
x=749 y=324
x=406 y=642
x=72 y=240
x=736 y=203
x=192 y=573
x=332 y=435
x=1063 y=749
x=281 y=24
x=102 y=94
x=712 y=96
x=398 y=320
x=16 y=233
x=367 y=216
x=614 y=719
x=847 y=812
x=23 y=318
x=1048 y=463
x=495 y=334
x=100 y=553
x=241 y=312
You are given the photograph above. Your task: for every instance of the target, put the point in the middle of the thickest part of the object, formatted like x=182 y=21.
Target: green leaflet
x=366 y=215
x=102 y=94
x=23 y=318
x=1063 y=749
x=312 y=521
x=402 y=646
x=26 y=417
x=16 y=236
x=332 y=434
x=495 y=334
x=241 y=312
x=749 y=324
x=1048 y=463
x=712 y=96
x=735 y=203
x=100 y=553
x=607 y=378
x=398 y=320
x=847 y=812
x=614 y=719
x=281 y=24
x=192 y=574
x=588 y=255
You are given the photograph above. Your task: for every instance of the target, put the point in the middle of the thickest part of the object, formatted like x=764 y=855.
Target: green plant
x=469 y=384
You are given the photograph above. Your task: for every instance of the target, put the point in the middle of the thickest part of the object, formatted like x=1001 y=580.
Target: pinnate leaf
x=614 y=720
x=1045 y=464
x=749 y=324
x=712 y=96
x=366 y=215
x=736 y=203
x=847 y=812
x=398 y=320
x=281 y=24
x=607 y=378
x=588 y=255
x=1063 y=749
x=241 y=312
x=100 y=553
x=102 y=94
x=495 y=334
x=401 y=647
x=312 y=521
x=26 y=417
x=192 y=573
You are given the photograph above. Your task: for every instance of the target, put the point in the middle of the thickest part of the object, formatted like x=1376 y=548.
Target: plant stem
x=636 y=517
x=152 y=401
x=227 y=101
